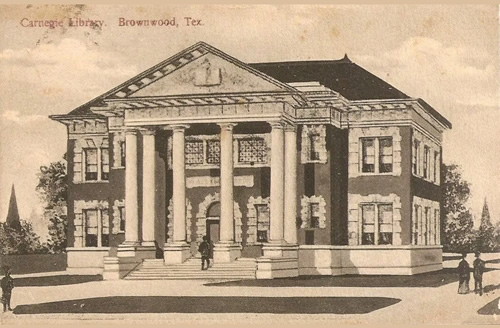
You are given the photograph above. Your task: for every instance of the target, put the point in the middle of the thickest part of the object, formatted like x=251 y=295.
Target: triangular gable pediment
x=200 y=69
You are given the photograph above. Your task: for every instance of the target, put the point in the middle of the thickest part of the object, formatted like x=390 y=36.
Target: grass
x=197 y=304
x=58 y=280
x=429 y=279
x=34 y=263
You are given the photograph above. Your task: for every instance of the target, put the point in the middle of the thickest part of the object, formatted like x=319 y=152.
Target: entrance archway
x=213 y=222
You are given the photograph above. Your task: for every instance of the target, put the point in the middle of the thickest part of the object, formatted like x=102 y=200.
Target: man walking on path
x=204 y=250
x=478 y=274
x=7 y=287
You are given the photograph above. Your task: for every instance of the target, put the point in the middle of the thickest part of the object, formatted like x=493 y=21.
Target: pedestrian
x=478 y=274
x=7 y=285
x=211 y=252
x=204 y=250
x=463 y=275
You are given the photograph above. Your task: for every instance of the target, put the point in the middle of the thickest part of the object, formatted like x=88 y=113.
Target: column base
x=280 y=250
x=225 y=253
x=279 y=261
x=176 y=253
x=127 y=249
x=145 y=252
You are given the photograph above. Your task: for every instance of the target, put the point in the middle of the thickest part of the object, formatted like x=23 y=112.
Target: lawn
x=58 y=280
x=34 y=263
x=197 y=304
x=429 y=279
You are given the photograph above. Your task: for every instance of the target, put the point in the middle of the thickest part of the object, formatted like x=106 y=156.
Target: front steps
x=155 y=269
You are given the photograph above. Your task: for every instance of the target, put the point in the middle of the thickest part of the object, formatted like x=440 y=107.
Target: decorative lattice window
x=194 y=152
x=252 y=150
x=213 y=151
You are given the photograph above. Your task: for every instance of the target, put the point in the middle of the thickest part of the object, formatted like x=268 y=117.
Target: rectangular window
x=121 y=144
x=437 y=221
x=104 y=164
x=104 y=228
x=427 y=225
x=262 y=211
x=368 y=224
x=426 y=162
x=194 y=152
x=314 y=215
x=121 y=211
x=416 y=157
x=385 y=155
x=436 y=166
x=252 y=150
x=385 y=224
x=368 y=155
x=414 y=239
x=90 y=164
x=213 y=151
x=314 y=140
x=91 y=230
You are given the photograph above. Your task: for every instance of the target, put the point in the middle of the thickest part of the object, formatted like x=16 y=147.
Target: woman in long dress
x=463 y=275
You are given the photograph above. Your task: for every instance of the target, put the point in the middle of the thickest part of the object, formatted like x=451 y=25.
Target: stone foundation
x=86 y=260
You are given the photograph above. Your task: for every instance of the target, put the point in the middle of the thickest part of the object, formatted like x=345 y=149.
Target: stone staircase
x=155 y=269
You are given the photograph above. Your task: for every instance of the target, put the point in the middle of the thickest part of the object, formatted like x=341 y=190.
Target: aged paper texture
x=250 y=164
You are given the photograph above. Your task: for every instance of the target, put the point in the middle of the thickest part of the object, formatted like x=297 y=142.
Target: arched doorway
x=213 y=222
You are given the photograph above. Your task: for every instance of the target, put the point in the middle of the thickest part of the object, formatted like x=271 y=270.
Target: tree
x=458 y=221
x=13 y=220
x=20 y=241
x=53 y=191
x=485 y=239
x=497 y=236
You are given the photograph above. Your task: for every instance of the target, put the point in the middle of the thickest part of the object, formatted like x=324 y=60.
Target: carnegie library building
x=289 y=168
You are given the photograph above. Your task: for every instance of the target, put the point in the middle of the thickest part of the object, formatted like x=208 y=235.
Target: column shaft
x=131 y=186
x=277 y=184
x=179 y=185
x=226 y=184
x=290 y=208
x=148 y=188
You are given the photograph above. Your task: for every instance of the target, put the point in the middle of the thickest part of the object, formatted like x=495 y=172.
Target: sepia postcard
x=249 y=164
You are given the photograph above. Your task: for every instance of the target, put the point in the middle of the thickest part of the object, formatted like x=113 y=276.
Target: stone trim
x=208 y=181
x=79 y=207
x=305 y=215
x=170 y=219
x=434 y=148
x=201 y=217
x=252 y=217
x=118 y=141
x=355 y=134
x=425 y=237
x=320 y=144
x=355 y=221
x=116 y=216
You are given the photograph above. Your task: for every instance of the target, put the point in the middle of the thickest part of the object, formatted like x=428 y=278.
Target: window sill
x=375 y=174
x=92 y=182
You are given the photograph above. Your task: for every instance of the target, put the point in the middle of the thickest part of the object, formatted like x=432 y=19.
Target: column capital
x=131 y=131
x=227 y=126
x=148 y=132
x=290 y=128
x=276 y=125
x=178 y=127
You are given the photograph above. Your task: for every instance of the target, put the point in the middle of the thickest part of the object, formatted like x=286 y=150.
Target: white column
x=277 y=184
x=226 y=183
x=290 y=208
x=148 y=188
x=131 y=186
x=179 y=183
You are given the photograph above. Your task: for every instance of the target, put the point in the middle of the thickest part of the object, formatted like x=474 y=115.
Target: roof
x=350 y=80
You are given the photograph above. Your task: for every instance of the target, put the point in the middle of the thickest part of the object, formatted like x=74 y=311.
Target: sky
x=447 y=55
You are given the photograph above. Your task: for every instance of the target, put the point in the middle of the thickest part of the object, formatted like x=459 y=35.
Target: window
x=373 y=148
x=104 y=164
x=416 y=157
x=437 y=221
x=90 y=164
x=377 y=221
x=213 y=151
x=194 y=152
x=385 y=155
x=314 y=140
x=436 y=166
x=96 y=227
x=427 y=163
x=252 y=150
x=368 y=150
x=426 y=232
x=121 y=211
x=414 y=239
x=314 y=215
x=121 y=145
x=262 y=211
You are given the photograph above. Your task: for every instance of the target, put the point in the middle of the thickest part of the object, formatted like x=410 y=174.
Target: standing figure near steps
x=204 y=250
x=7 y=287
x=463 y=275
x=478 y=274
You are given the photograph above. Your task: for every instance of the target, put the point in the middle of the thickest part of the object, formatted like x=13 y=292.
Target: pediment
x=197 y=71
